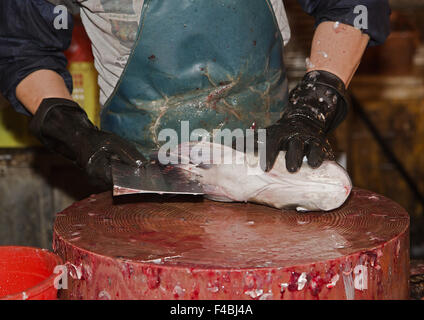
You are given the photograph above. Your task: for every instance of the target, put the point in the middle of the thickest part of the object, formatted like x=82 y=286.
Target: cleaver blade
x=153 y=178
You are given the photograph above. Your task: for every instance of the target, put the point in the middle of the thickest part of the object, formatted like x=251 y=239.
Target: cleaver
x=153 y=178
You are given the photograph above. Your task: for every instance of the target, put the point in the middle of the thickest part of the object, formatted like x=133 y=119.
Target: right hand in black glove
x=63 y=126
x=316 y=106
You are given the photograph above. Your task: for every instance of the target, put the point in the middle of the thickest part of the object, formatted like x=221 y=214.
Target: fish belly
x=229 y=175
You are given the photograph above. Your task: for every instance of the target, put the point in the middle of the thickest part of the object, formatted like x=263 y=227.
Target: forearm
x=40 y=85
x=337 y=48
x=30 y=46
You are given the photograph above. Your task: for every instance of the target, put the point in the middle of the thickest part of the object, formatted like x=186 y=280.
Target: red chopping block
x=151 y=247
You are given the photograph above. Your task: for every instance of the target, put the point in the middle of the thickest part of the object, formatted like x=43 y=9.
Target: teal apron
x=215 y=63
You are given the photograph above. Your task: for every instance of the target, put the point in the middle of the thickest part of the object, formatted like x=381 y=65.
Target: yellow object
x=14 y=126
x=14 y=129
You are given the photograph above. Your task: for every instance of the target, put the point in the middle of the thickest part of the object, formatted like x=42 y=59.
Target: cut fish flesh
x=233 y=176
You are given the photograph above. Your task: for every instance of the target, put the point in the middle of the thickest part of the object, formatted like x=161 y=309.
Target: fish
x=229 y=175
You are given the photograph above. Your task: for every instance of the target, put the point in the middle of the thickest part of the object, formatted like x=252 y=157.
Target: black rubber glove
x=316 y=106
x=63 y=126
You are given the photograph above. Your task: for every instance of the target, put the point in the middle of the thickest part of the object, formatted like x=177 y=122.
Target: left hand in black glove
x=63 y=126
x=316 y=106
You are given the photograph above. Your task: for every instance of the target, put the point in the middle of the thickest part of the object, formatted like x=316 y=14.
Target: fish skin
x=224 y=179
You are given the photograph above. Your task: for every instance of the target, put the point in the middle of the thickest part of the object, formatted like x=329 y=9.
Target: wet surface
x=192 y=232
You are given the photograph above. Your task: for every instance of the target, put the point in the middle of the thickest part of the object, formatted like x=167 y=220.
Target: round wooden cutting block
x=152 y=247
